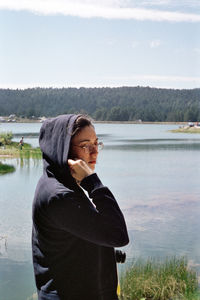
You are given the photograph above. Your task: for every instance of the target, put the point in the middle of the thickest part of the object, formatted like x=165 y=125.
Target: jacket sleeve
x=102 y=224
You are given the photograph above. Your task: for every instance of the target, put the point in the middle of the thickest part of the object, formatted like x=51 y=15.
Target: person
x=76 y=219
x=21 y=143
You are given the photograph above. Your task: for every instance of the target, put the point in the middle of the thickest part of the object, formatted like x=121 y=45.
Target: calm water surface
x=153 y=173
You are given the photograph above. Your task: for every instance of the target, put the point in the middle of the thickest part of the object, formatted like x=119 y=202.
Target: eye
x=86 y=146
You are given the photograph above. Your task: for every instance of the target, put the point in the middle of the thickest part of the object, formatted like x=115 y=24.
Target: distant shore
x=26 y=120
x=141 y=122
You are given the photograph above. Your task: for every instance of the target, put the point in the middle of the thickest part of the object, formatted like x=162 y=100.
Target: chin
x=92 y=166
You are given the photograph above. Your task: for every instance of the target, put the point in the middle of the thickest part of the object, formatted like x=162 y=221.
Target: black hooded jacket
x=73 y=240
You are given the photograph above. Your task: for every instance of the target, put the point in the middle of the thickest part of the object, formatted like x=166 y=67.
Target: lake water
x=154 y=175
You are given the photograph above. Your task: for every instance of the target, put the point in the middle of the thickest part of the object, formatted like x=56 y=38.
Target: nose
x=94 y=150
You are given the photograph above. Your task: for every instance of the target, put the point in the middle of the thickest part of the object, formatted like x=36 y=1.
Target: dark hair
x=81 y=122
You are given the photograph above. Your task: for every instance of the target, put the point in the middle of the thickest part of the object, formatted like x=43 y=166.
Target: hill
x=113 y=104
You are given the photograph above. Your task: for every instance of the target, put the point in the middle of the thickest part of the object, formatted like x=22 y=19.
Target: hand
x=79 y=169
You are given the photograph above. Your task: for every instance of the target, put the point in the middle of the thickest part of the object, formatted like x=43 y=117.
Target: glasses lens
x=100 y=145
x=90 y=148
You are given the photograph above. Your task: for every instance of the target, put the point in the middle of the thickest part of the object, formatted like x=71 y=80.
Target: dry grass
x=187 y=130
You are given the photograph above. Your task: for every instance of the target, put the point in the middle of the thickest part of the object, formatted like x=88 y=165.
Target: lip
x=93 y=162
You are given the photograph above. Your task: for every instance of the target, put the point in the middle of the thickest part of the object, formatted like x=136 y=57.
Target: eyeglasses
x=88 y=148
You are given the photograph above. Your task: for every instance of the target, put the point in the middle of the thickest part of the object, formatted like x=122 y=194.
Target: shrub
x=5 y=138
x=6 y=168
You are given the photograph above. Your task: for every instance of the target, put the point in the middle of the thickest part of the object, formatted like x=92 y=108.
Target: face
x=87 y=136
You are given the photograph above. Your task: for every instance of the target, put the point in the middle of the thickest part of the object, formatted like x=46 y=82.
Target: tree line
x=106 y=104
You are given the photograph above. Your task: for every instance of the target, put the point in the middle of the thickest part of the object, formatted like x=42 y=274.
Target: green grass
x=160 y=280
x=8 y=148
x=13 y=150
x=4 y=169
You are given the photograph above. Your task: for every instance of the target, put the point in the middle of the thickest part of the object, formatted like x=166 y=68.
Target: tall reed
x=13 y=150
x=153 y=279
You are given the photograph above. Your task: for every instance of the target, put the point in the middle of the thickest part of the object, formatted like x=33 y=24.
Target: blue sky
x=90 y=43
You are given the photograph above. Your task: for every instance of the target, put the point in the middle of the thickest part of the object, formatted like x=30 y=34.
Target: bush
x=6 y=168
x=5 y=138
x=159 y=280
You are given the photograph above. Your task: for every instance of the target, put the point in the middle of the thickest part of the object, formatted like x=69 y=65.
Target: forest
x=105 y=104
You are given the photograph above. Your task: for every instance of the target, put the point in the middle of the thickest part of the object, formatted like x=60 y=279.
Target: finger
x=74 y=161
x=71 y=162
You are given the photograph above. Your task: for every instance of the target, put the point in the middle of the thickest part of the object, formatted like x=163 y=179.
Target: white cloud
x=168 y=3
x=155 y=43
x=156 y=2
x=109 y=9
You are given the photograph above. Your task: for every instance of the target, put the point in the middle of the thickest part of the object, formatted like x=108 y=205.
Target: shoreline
x=140 y=123
x=20 y=120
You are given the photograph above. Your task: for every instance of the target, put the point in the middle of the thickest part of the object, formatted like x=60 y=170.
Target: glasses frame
x=89 y=147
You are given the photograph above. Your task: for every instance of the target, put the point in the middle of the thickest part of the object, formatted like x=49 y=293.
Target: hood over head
x=54 y=139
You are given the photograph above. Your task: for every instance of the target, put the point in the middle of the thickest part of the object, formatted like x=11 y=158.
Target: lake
x=154 y=175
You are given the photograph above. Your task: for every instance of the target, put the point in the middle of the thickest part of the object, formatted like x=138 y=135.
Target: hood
x=54 y=140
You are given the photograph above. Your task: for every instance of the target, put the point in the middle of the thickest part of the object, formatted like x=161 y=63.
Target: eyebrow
x=82 y=141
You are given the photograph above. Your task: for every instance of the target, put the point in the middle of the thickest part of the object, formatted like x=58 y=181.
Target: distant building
x=12 y=117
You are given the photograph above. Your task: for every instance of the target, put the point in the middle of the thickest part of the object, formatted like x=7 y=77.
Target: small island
x=4 y=169
x=10 y=149
x=190 y=128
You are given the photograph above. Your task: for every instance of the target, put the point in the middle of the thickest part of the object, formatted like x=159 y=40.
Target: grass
x=160 y=280
x=187 y=130
x=4 y=169
x=13 y=150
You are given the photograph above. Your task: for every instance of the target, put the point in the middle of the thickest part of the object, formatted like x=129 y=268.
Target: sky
x=100 y=43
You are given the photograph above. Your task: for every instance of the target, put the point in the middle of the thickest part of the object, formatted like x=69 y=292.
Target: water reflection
x=3 y=245
x=28 y=163
x=134 y=146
